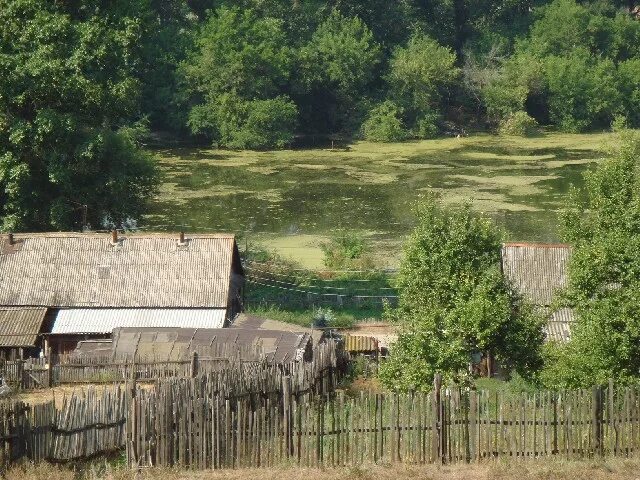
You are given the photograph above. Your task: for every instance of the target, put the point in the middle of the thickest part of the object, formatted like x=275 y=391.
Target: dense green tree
x=454 y=302
x=583 y=92
x=603 y=226
x=336 y=67
x=68 y=82
x=239 y=67
x=384 y=124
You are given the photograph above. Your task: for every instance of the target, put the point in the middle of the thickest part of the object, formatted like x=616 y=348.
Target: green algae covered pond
x=290 y=200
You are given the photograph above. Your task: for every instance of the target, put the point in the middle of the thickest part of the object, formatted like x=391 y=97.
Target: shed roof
x=536 y=270
x=246 y=321
x=19 y=327
x=87 y=270
x=171 y=343
x=104 y=320
x=558 y=326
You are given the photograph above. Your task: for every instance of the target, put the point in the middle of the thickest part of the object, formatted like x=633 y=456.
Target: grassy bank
x=610 y=469
x=291 y=200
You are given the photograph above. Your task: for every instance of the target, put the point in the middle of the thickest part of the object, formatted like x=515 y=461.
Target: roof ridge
x=98 y=235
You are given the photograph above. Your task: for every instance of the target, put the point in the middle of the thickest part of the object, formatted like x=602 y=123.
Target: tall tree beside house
x=454 y=303
x=603 y=226
x=68 y=85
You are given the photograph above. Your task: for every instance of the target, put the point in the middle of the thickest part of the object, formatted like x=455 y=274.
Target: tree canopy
x=603 y=226
x=455 y=302
x=69 y=82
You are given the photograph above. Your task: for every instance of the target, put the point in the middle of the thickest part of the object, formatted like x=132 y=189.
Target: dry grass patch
x=546 y=469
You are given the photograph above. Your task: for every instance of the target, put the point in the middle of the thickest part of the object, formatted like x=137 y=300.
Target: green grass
x=291 y=200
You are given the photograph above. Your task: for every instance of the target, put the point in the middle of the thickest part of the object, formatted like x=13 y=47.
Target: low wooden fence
x=69 y=370
x=86 y=424
x=182 y=425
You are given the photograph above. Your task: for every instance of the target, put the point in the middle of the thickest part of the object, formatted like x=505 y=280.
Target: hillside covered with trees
x=82 y=82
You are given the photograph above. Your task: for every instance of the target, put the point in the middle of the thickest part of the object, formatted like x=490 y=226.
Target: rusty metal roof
x=360 y=343
x=74 y=270
x=19 y=327
x=536 y=270
x=171 y=343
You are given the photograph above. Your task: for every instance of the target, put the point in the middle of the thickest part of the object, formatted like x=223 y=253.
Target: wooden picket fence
x=94 y=420
x=181 y=424
x=88 y=423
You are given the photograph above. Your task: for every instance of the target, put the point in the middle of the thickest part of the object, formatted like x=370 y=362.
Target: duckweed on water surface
x=276 y=195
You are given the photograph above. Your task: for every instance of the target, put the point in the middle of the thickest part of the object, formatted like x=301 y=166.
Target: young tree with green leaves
x=603 y=227
x=69 y=82
x=420 y=74
x=454 y=302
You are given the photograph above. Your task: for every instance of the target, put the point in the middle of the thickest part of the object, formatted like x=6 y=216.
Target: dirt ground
x=58 y=393
x=614 y=469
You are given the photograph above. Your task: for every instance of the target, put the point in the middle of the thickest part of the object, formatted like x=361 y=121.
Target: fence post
x=286 y=402
x=21 y=374
x=596 y=419
x=194 y=364
x=437 y=439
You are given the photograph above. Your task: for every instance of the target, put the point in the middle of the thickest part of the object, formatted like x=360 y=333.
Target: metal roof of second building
x=89 y=270
x=537 y=271
x=19 y=327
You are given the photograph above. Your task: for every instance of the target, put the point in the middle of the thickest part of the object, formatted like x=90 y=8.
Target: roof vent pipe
x=114 y=236
x=10 y=239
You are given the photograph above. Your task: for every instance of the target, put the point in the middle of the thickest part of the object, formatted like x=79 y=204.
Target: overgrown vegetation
x=256 y=74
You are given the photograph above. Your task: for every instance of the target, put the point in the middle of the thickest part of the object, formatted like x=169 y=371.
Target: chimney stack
x=10 y=238
x=114 y=236
x=181 y=241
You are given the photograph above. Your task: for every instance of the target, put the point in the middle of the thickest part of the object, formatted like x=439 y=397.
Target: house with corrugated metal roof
x=539 y=272
x=83 y=285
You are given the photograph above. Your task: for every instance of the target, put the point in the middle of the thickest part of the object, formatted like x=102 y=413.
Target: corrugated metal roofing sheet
x=104 y=320
x=360 y=343
x=19 y=327
x=251 y=322
x=558 y=327
x=169 y=343
x=537 y=271
x=76 y=270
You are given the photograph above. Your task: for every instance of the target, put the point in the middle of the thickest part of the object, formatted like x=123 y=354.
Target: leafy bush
x=268 y=124
x=323 y=318
x=384 y=124
x=427 y=126
x=520 y=124
x=619 y=123
x=346 y=250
